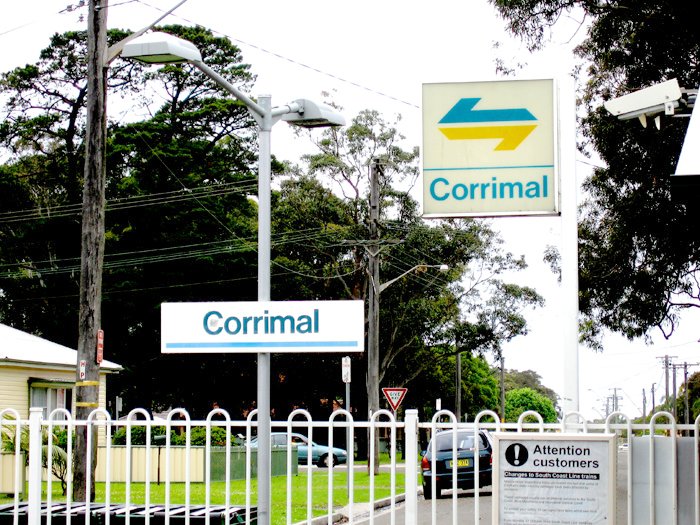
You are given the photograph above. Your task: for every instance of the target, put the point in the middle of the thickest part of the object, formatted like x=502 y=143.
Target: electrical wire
x=290 y=60
x=128 y=203
x=156 y=255
x=178 y=196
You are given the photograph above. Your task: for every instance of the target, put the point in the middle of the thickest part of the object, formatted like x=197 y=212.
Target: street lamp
x=162 y=48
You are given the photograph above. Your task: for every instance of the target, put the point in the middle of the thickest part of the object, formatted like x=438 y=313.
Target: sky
x=377 y=55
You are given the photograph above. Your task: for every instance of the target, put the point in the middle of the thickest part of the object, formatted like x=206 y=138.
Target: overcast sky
x=377 y=55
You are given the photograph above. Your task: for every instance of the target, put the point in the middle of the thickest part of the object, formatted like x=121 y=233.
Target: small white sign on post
x=346 y=369
x=551 y=479
x=262 y=326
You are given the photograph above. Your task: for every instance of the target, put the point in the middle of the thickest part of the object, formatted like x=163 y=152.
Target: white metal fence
x=657 y=474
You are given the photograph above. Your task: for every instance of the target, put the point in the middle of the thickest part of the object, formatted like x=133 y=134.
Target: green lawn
x=319 y=501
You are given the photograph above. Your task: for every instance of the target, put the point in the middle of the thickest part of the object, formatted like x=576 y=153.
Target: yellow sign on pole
x=489 y=149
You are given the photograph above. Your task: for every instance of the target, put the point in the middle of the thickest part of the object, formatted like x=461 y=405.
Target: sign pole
x=347 y=377
x=569 y=248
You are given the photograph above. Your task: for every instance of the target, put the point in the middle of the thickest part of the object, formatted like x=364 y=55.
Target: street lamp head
x=444 y=268
x=314 y=115
x=161 y=48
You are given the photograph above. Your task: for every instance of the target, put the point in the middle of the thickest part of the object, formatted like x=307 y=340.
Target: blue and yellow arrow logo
x=511 y=136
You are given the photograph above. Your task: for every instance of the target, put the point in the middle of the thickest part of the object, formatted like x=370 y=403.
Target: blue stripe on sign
x=265 y=344
x=463 y=112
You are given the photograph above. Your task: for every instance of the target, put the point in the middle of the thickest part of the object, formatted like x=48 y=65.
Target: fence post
x=34 y=506
x=411 y=466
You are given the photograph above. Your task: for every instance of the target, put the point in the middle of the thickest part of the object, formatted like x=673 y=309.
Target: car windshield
x=465 y=441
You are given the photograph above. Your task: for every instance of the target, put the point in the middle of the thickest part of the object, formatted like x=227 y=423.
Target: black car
x=443 y=442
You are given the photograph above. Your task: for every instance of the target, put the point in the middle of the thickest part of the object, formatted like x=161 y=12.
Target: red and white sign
x=81 y=369
x=394 y=396
x=100 y=346
x=346 y=369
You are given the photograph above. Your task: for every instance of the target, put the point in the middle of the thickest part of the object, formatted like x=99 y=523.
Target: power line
x=173 y=253
x=127 y=203
x=75 y=209
x=294 y=62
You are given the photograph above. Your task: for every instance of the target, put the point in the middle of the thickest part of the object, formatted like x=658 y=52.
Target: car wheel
x=427 y=491
x=327 y=461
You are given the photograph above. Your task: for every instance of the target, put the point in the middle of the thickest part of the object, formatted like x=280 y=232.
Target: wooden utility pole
x=92 y=246
x=687 y=393
x=502 y=361
x=675 y=392
x=373 y=308
x=458 y=385
x=93 y=234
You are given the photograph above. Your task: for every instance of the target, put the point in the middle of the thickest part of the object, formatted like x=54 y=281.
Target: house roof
x=19 y=347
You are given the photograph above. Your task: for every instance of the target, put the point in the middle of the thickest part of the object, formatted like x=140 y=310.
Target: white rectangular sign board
x=490 y=149
x=552 y=479
x=262 y=327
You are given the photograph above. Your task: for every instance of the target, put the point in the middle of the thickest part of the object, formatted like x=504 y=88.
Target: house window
x=50 y=395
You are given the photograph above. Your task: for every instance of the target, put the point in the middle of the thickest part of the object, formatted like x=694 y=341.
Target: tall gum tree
x=179 y=218
x=419 y=314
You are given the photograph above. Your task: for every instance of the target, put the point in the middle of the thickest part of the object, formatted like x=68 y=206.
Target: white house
x=35 y=372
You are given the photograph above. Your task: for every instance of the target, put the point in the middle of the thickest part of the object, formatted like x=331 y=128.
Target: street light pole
x=264 y=261
x=164 y=48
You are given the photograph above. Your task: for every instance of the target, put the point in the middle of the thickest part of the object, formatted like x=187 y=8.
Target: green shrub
x=198 y=437
x=56 y=444
x=138 y=435
x=178 y=436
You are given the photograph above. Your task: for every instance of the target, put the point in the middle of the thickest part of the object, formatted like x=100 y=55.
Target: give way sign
x=394 y=396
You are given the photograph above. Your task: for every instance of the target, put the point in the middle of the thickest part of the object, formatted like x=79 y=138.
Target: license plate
x=460 y=463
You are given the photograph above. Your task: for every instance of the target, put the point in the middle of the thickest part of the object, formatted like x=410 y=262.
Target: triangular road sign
x=394 y=396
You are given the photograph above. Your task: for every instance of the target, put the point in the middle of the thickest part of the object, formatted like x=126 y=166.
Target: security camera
x=648 y=102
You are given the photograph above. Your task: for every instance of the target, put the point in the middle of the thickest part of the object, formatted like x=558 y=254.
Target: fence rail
x=657 y=469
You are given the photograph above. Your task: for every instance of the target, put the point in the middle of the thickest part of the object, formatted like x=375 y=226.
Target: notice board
x=554 y=479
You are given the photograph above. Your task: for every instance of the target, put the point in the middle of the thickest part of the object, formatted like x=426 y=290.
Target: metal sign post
x=347 y=377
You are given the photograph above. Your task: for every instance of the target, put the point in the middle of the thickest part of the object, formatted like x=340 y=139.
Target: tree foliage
x=54 y=445
x=421 y=314
x=178 y=213
x=517 y=379
x=523 y=399
x=639 y=251
x=181 y=226
x=480 y=390
x=691 y=390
